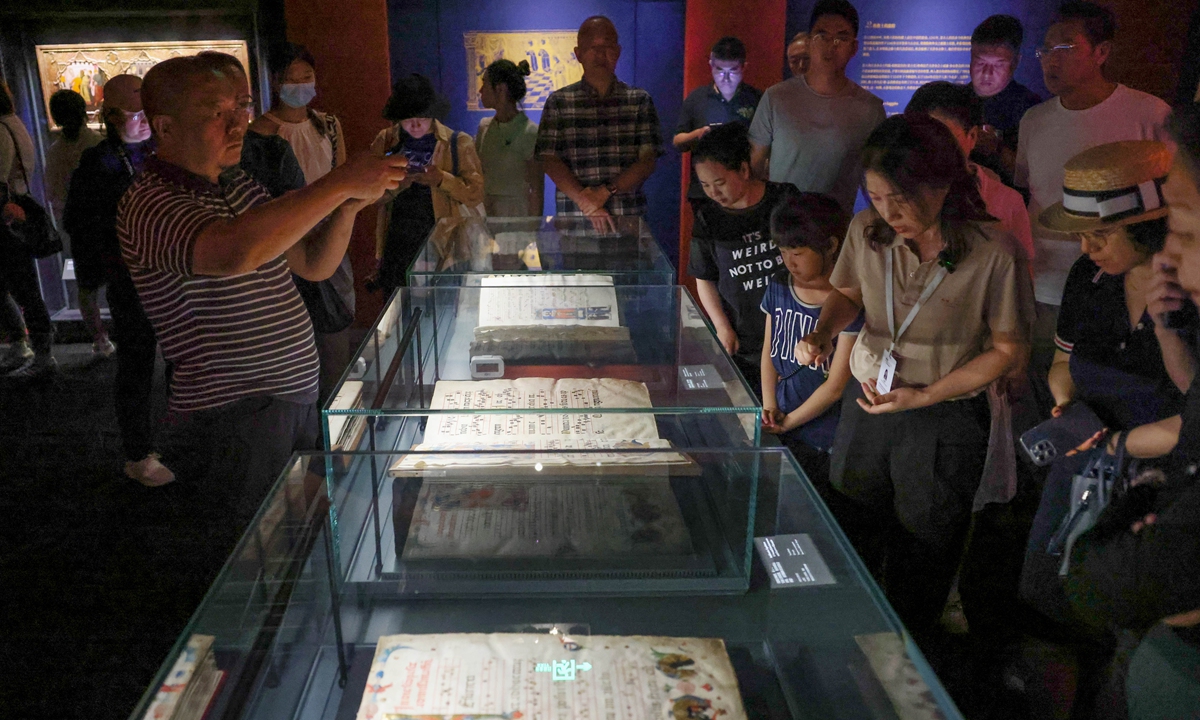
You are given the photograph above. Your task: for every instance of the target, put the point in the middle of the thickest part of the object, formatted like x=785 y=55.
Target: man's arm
x=760 y=157
x=239 y=245
x=319 y=253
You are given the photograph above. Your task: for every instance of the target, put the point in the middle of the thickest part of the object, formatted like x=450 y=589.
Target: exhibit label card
x=700 y=377
x=793 y=561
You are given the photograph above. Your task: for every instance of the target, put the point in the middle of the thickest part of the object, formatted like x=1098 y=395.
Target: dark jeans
x=18 y=276
x=910 y=479
x=233 y=454
x=136 y=348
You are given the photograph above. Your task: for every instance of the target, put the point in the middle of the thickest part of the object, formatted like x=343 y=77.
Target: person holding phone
x=444 y=172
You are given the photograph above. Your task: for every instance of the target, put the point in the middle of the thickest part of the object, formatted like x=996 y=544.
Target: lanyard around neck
x=891 y=313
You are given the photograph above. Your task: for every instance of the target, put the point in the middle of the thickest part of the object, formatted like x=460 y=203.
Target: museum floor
x=98 y=575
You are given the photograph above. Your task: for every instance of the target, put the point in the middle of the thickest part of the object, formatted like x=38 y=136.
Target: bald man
x=212 y=257
x=797 y=54
x=599 y=138
x=90 y=216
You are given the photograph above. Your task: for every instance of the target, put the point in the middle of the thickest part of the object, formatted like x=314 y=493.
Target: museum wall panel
x=436 y=38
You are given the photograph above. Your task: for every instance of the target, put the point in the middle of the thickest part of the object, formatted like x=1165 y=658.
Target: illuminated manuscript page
x=550 y=677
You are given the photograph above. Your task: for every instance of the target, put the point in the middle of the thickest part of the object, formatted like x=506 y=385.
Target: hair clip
x=943 y=259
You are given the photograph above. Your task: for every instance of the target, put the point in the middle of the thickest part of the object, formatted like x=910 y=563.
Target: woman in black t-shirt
x=732 y=255
x=1108 y=347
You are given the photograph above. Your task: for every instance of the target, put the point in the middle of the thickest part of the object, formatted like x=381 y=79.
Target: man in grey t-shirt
x=810 y=129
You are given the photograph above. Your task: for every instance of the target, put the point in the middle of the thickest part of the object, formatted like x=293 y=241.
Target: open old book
x=551 y=434
x=538 y=676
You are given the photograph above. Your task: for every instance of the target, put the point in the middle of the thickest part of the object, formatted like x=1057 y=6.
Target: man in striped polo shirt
x=211 y=256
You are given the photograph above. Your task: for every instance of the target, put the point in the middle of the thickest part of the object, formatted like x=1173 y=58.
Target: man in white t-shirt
x=810 y=129
x=1089 y=110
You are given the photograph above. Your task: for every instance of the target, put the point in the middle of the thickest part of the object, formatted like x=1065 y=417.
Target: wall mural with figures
x=550 y=53
x=85 y=68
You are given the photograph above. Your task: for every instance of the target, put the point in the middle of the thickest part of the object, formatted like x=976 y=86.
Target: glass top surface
x=294 y=634
x=513 y=343
x=544 y=245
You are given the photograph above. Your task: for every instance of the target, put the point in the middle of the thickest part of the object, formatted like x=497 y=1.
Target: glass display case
x=554 y=362
x=288 y=631
x=460 y=250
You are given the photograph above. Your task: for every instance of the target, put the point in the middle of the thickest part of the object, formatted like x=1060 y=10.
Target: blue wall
x=427 y=37
x=940 y=17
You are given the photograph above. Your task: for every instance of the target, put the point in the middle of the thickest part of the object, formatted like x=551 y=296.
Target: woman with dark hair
x=1137 y=567
x=315 y=137
x=732 y=255
x=513 y=179
x=69 y=111
x=936 y=282
x=1109 y=351
x=18 y=271
x=443 y=174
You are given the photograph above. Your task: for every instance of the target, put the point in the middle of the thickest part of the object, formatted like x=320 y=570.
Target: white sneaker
x=35 y=368
x=149 y=471
x=18 y=354
x=103 y=349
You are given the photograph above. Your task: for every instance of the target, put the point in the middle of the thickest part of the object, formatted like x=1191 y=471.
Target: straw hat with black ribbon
x=1110 y=186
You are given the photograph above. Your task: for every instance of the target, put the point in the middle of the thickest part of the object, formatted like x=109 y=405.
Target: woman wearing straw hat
x=444 y=173
x=1109 y=350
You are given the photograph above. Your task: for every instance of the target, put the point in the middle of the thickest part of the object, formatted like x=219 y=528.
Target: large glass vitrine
x=513 y=363
x=289 y=629
x=459 y=251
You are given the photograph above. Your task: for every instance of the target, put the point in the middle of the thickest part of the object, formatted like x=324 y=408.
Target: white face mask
x=136 y=129
x=297 y=95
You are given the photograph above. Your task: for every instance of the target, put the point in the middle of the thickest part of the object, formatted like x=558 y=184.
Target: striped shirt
x=598 y=137
x=229 y=338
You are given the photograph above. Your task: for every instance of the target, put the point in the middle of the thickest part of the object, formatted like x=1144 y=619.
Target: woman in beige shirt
x=910 y=448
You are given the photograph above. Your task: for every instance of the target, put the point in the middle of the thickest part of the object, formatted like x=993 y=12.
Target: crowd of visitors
x=1014 y=254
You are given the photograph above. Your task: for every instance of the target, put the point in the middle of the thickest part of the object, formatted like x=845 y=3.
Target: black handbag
x=36 y=233
x=1075 y=502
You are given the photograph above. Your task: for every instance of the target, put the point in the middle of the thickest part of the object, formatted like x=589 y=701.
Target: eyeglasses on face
x=834 y=40
x=1061 y=49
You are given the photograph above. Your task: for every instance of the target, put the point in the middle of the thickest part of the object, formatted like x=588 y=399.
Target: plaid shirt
x=599 y=137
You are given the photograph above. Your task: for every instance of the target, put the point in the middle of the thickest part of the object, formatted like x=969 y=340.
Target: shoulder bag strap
x=17 y=158
x=331 y=123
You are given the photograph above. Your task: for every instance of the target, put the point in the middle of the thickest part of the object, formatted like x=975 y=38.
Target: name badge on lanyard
x=887 y=364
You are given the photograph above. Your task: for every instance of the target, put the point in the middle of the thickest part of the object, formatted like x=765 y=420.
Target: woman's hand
x=13 y=213
x=1164 y=294
x=815 y=347
x=897 y=400
x=429 y=175
x=728 y=338
x=1058 y=410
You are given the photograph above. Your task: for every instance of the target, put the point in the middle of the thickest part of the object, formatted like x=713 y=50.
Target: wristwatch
x=612 y=189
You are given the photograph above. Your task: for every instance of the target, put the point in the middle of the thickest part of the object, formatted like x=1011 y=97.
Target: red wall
x=759 y=24
x=348 y=39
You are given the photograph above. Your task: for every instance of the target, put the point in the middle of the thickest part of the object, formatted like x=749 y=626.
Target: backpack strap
x=332 y=123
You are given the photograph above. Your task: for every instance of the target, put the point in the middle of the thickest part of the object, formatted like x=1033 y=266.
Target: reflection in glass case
x=460 y=250
x=289 y=630
x=556 y=363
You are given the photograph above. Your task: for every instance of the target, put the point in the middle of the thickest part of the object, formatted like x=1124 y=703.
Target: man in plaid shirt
x=599 y=138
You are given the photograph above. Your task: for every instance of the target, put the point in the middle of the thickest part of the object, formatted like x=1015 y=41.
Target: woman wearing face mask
x=105 y=172
x=443 y=173
x=315 y=137
x=513 y=178
x=937 y=285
